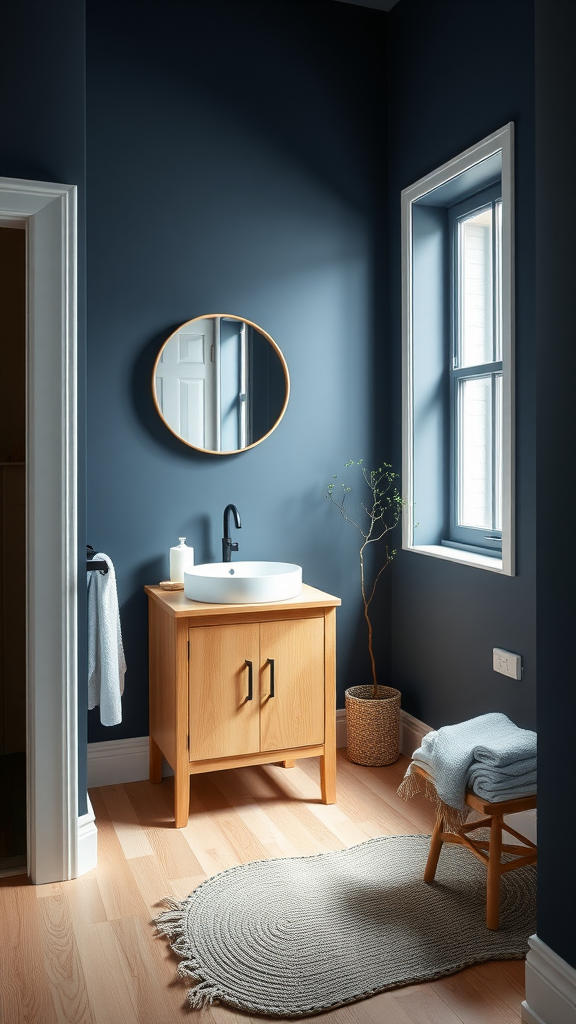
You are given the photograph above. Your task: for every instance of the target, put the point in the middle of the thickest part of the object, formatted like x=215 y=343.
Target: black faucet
x=227 y=545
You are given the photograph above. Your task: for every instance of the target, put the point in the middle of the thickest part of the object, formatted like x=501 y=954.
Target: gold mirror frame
x=227 y=317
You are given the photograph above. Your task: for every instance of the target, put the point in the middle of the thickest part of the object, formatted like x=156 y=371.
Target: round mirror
x=220 y=383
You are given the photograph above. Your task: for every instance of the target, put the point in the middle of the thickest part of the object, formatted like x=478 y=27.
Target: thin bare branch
x=340 y=508
x=383 y=516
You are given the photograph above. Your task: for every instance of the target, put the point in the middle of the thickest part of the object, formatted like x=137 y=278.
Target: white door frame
x=48 y=212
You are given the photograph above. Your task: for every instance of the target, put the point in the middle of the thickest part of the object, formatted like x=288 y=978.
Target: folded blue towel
x=496 y=784
x=511 y=771
x=447 y=753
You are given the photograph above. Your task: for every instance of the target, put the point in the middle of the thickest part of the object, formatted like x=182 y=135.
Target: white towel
x=106 y=664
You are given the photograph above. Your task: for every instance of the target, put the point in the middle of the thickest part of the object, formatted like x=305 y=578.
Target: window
x=458 y=359
x=475 y=368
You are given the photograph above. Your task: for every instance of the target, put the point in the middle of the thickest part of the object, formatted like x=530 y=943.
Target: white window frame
x=499 y=144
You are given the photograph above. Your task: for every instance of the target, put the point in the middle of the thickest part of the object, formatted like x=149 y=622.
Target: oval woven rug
x=295 y=936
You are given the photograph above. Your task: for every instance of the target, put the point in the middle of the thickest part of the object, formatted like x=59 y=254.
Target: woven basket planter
x=373 y=726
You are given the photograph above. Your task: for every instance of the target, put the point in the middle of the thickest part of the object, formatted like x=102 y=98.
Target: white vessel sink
x=243 y=582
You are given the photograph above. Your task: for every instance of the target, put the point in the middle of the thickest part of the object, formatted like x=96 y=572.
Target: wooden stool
x=488 y=851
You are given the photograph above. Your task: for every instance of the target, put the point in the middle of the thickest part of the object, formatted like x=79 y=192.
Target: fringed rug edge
x=171 y=923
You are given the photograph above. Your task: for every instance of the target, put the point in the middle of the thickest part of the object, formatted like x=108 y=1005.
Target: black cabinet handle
x=249 y=663
x=271 y=663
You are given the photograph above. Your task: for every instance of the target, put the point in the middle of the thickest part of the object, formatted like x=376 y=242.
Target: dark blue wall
x=42 y=136
x=236 y=163
x=446 y=618
x=556 y=455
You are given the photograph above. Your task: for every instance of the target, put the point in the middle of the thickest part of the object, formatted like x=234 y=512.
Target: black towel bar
x=94 y=564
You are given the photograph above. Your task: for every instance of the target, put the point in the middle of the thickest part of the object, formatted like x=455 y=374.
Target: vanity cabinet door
x=292 y=656
x=223 y=720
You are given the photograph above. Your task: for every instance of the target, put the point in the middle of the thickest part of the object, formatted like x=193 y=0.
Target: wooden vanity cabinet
x=234 y=685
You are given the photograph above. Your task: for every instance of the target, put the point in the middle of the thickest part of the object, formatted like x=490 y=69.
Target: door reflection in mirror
x=220 y=383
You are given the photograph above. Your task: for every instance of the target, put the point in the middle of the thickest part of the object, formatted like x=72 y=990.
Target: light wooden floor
x=84 y=952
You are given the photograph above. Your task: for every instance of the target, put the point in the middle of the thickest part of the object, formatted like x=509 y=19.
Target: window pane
x=475 y=289
x=475 y=453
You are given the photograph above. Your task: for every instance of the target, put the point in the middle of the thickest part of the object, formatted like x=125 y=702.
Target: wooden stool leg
x=493 y=882
x=434 y=852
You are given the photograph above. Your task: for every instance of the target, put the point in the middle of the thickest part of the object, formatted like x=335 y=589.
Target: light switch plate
x=507 y=663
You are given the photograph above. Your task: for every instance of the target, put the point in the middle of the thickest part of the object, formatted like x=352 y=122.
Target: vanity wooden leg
x=288 y=763
x=328 y=775
x=155 y=773
x=181 y=798
x=328 y=758
x=434 y=851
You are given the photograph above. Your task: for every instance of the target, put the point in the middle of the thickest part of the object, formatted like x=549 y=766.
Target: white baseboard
x=412 y=732
x=526 y=823
x=115 y=761
x=550 y=987
x=112 y=762
x=87 y=841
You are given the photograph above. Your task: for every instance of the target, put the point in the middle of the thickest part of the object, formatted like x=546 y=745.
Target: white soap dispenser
x=181 y=559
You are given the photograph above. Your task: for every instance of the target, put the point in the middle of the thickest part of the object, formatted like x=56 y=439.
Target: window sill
x=493 y=564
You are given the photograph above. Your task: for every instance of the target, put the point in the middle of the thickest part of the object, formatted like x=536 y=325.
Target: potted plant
x=372 y=711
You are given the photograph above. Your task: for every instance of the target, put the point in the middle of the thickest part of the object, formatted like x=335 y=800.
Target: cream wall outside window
x=458 y=359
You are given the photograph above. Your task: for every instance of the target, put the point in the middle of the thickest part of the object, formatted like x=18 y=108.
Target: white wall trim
x=49 y=212
x=459 y=556
x=550 y=987
x=412 y=732
x=526 y=822
x=501 y=141
x=87 y=841
x=112 y=762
